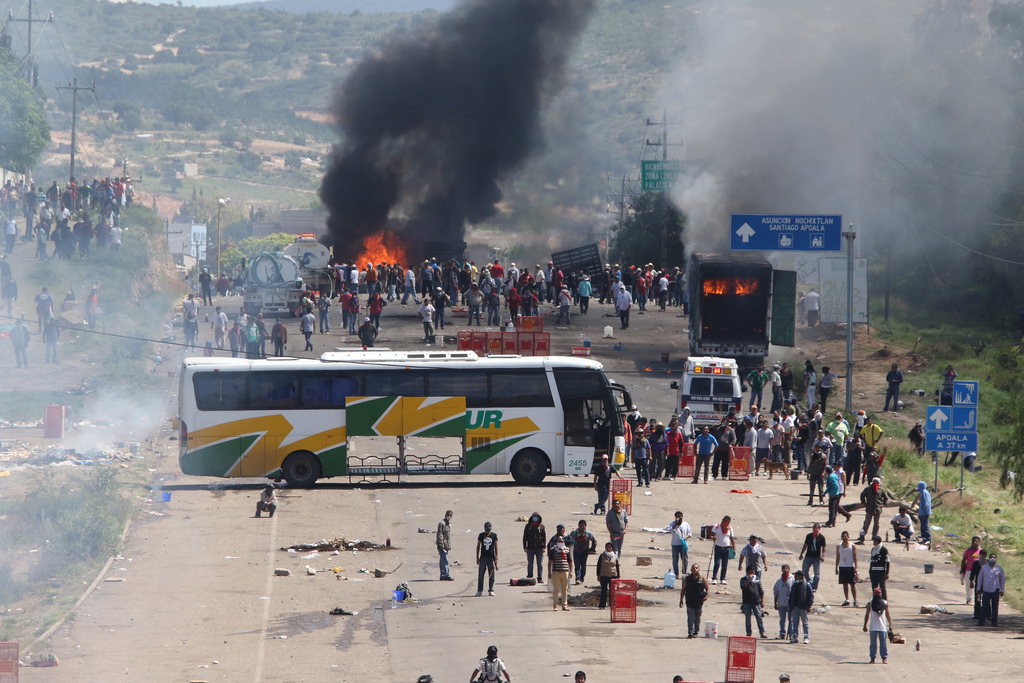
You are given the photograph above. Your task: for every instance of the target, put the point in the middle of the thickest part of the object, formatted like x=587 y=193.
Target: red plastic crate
x=623 y=601
x=9 y=662
x=494 y=343
x=531 y=323
x=465 y=340
x=526 y=340
x=622 y=489
x=542 y=344
x=479 y=342
x=510 y=343
x=740 y=659
x=739 y=464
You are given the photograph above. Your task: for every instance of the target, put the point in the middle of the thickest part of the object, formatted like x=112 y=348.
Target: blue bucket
x=167 y=496
x=399 y=595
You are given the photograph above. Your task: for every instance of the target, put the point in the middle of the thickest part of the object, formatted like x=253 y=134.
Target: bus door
x=587 y=422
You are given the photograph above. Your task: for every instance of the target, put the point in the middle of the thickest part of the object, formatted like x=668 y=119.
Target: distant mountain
x=345 y=6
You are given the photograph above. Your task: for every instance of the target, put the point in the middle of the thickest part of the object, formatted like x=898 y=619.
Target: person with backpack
x=490 y=669
x=877 y=623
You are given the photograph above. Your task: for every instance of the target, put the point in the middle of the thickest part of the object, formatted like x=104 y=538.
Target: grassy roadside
x=58 y=525
x=985 y=508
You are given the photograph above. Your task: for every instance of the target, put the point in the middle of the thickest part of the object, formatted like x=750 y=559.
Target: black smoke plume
x=436 y=117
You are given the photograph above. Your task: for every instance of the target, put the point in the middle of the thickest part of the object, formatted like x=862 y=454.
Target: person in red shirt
x=676 y=444
x=497 y=271
x=375 y=306
x=641 y=292
x=513 y=304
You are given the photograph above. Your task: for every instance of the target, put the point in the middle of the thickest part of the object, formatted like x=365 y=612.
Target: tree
x=24 y=132
x=250 y=161
x=292 y=160
x=637 y=240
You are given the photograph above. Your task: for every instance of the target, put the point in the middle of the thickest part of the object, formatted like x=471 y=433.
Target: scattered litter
x=936 y=528
x=783 y=552
x=229 y=557
x=428 y=531
x=934 y=609
x=313 y=554
x=821 y=609
x=919 y=587
x=653 y=547
x=520 y=518
x=741 y=491
x=380 y=573
x=493 y=632
x=648 y=493
x=113 y=580
x=952 y=536
x=338 y=543
x=342 y=612
x=282 y=572
x=310 y=571
x=655 y=531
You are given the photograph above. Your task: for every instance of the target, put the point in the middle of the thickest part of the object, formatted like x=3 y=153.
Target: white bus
x=294 y=419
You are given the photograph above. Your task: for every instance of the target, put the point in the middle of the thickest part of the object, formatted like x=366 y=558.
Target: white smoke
x=889 y=113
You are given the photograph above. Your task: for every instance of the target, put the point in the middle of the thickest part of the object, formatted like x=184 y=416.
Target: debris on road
x=338 y=543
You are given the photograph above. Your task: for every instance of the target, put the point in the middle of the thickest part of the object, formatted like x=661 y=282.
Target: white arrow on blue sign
x=938 y=418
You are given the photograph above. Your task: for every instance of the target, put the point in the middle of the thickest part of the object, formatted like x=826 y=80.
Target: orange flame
x=737 y=286
x=714 y=286
x=384 y=247
x=745 y=286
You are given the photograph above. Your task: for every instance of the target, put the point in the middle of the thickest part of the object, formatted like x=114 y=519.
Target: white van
x=710 y=388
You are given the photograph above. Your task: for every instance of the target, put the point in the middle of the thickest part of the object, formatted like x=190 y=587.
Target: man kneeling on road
x=267 y=501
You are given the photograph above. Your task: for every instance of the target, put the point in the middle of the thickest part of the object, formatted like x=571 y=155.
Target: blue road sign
x=965 y=419
x=773 y=232
x=965 y=393
x=951 y=441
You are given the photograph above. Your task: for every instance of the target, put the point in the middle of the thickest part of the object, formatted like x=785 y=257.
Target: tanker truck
x=275 y=281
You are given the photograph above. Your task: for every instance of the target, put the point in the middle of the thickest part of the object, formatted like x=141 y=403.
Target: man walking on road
x=486 y=559
x=602 y=483
x=801 y=598
x=705 y=445
x=560 y=569
x=812 y=553
x=753 y=601
x=991 y=585
x=693 y=595
x=874 y=499
x=617 y=522
x=783 y=586
x=444 y=544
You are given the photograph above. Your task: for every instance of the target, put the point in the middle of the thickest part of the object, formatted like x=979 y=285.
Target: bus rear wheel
x=529 y=467
x=301 y=470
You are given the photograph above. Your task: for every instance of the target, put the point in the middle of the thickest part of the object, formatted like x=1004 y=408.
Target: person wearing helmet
x=490 y=668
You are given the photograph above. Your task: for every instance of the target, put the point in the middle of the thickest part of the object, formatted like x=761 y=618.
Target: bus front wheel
x=529 y=467
x=301 y=470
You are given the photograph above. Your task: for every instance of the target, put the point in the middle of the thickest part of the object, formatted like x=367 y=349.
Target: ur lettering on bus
x=483 y=419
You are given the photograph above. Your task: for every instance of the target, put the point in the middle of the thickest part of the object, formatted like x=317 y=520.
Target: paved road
x=198 y=584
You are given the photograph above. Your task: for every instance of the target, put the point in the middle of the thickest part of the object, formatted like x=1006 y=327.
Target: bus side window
x=395 y=383
x=580 y=384
x=221 y=390
x=469 y=383
x=273 y=391
x=520 y=389
x=326 y=391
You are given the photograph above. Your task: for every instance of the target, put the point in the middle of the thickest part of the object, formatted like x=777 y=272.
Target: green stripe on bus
x=333 y=461
x=362 y=416
x=218 y=459
x=478 y=456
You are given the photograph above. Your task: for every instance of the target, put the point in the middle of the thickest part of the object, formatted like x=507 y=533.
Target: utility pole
x=74 y=88
x=664 y=144
x=619 y=207
x=850 y=237
x=31 y=75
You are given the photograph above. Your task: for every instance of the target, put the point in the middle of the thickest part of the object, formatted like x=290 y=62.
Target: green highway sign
x=659 y=176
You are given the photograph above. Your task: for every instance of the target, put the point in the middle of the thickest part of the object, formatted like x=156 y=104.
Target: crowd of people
x=500 y=295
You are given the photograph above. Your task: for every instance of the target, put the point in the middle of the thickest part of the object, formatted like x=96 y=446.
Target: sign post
x=850 y=237
x=954 y=428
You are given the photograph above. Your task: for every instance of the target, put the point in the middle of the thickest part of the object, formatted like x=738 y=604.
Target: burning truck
x=738 y=306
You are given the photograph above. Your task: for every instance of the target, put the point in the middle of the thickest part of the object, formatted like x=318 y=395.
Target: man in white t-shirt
x=426 y=312
x=623 y=302
x=812 y=302
x=903 y=525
